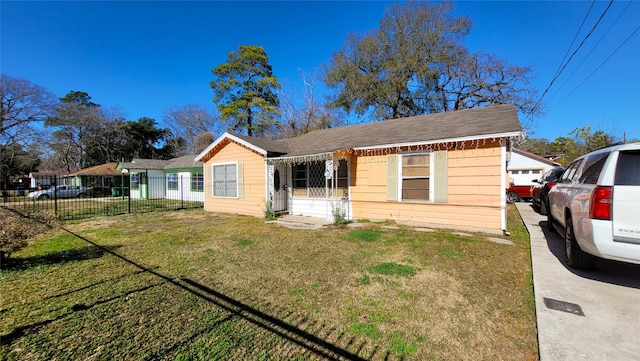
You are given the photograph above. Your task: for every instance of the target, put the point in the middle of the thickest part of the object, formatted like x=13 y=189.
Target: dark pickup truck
x=518 y=193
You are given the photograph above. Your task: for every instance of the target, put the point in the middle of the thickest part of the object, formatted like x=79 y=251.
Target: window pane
x=415 y=165
x=628 y=169
x=224 y=180
x=197 y=181
x=299 y=176
x=592 y=168
x=172 y=181
x=415 y=189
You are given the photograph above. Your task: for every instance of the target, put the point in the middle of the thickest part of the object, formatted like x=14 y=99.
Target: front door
x=280 y=189
x=143 y=186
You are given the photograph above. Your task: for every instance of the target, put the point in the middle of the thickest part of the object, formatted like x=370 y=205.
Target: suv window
x=592 y=167
x=570 y=172
x=628 y=169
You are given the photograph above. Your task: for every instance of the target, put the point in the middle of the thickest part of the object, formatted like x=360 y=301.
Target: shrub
x=17 y=228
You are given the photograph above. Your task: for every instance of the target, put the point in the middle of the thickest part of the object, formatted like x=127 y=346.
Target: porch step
x=300 y=222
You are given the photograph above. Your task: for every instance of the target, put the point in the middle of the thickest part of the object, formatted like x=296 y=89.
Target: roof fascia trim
x=229 y=136
x=446 y=140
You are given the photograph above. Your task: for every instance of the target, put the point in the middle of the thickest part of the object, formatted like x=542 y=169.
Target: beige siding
x=473 y=192
x=253 y=170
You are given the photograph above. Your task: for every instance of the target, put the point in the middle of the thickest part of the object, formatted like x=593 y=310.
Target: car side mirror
x=535 y=180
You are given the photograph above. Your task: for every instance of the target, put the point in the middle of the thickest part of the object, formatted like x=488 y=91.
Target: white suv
x=596 y=204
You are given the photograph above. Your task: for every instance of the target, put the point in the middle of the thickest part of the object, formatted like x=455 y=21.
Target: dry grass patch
x=195 y=285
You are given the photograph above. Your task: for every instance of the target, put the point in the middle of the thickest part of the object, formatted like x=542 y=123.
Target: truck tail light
x=601 y=203
x=551 y=184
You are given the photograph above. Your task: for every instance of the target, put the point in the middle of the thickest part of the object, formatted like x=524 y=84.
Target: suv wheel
x=550 y=226
x=543 y=207
x=575 y=256
x=512 y=197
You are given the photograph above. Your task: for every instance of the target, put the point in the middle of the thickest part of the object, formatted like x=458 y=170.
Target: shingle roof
x=477 y=122
x=140 y=163
x=102 y=169
x=186 y=161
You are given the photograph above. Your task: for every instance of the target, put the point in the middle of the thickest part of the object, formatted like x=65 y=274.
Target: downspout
x=503 y=185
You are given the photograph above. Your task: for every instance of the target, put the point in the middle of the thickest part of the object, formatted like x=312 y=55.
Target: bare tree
x=479 y=79
x=188 y=121
x=22 y=103
x=416 y=63
x=310 y=115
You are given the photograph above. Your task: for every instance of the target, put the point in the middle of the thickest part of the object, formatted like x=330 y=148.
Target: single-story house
x=525 y=166
x=99 y=179
x=446 y=169
x=177 y=178
x=185 y=179
x=47 y=179
x=146 y=178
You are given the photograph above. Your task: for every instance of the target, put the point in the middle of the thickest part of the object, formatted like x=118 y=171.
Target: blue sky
x=146 y=57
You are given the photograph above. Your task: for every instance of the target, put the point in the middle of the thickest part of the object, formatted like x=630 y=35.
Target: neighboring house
x=47 y=179
x=146 y=178
x=446 y=169
x=99 y=179
x=185 y=179
x=524 y=167
x=177 y=178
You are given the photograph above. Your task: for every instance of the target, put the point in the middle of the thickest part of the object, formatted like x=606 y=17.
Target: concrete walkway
x=582 y=315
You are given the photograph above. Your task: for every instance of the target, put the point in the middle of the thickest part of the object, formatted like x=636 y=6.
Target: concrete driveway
x=582 y=315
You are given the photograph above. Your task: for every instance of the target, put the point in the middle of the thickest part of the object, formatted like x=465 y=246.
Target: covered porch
x=314 y=186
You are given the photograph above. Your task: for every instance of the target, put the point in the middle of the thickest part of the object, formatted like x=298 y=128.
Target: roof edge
x=227 y=135
x=459 y=139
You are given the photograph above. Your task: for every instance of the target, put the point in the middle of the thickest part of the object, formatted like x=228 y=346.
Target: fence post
x=129 y=198
x=55 y=194
x=182 y=192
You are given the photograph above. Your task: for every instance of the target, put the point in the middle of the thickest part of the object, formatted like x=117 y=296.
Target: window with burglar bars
x=172 y=181
x=309 y=179
x=415 y=176
x=197 y=182
x=225 y=180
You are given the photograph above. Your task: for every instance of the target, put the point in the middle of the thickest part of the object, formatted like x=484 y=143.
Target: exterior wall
x=184 y=187
x=320 y=207
x=155 y=187
x=252 y=201
x=474 y=191
x=522 y=169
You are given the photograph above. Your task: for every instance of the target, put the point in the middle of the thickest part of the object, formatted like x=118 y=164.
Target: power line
x=573 y=54
x=591 y=51
x=572 y=41
x=599 y=66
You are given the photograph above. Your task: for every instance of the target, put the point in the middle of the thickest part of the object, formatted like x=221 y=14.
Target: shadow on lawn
x=237 y=309
x=27 y=329
x=70 y=255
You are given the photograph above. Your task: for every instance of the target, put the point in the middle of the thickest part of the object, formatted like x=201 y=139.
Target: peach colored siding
x=474 y=192
x=253 y=166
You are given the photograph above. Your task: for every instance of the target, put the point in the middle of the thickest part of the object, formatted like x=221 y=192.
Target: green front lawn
x=189 y=285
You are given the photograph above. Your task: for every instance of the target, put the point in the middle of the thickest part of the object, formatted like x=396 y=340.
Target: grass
x=191 y=285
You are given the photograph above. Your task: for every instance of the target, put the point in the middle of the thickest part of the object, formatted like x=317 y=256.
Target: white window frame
x=213 y=181
x=431 y=177
x=176 y=180
x=199 y=183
